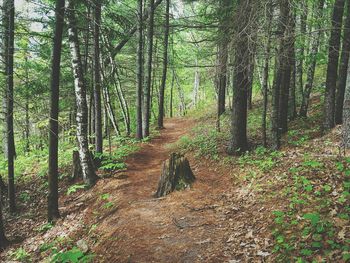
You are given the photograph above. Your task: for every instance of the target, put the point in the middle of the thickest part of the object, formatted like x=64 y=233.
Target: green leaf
x=306 y=252
x=313 y=217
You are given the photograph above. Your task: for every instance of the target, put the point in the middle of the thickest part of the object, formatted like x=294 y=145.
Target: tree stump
x=176 y=175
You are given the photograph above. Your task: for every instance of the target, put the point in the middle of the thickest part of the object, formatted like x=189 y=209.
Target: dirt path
x=183 y=227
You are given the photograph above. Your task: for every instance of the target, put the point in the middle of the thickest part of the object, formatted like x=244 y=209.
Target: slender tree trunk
x=265 y=81
x=224 y=13
x=343 y=68
x=316 y=40
x=52 y=206
x=9 y=24
x=165 y=66
x=97 y=82
x=301 y=51
x=333 y=60
x=139 y=63
x=171 y=113
x=292 y=112
x=86 y=162
x=148 y=74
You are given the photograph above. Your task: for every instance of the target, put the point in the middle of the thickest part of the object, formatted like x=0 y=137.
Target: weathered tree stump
x=176 y=175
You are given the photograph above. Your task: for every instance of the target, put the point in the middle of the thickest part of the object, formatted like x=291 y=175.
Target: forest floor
x=264 y=206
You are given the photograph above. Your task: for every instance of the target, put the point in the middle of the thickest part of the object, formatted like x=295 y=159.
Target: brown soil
x=189 y=226
x=217 y=220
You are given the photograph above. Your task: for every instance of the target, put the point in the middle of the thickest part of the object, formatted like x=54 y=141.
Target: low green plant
x=74 y=188
x=21 y=255
x=74 y=255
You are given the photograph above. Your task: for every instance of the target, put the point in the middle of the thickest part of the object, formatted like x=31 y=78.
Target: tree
x=223 y=41
x=343 y=68
x=332 y=68
x=97 y=78
x=53 y=212
x=165 y=66
x=282 y=73
x=139 y=71
x=148 y=73
x=86 y=161
x=242 y=45
x=346 y=113
x=9 y=28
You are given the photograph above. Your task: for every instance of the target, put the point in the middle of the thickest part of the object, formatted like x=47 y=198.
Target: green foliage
x=73 y=255
x=20 y=254
x=74 y=188
x=263 y=159
x=306 y=229
x=46 y=227
x=204 y=142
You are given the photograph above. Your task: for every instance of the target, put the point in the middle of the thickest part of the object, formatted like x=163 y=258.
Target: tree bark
x=52 y=206
x=265 y=81
x=224 y=14
x=148 y=73
x=239 y=143
x=165 y=66
x=139 y=70
x=176 y=175
x=281 y=70
x=333 y=60
x=86 y=162
x=97 y=78
x=9 y=27
x=343 y=68
x=346 y=113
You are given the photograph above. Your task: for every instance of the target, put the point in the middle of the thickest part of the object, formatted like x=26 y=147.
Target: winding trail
x=183 y=227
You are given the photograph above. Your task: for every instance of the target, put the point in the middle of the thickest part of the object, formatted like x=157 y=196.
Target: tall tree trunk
x=265 y=81
x=286 y=68
x=9 y=28
x=281 y=71
x=343 y=68
x=301 y=51
x=97 y=75
x=333 y=60
x=52 y=206
x=292 y=112
x=86 y=162
x=239 y=142
x=139 y=63
x=224 y=13
x=312 y=64
x=165 y=66
x=148 y=74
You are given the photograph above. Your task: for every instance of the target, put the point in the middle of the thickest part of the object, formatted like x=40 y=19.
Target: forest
x=175 y=131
